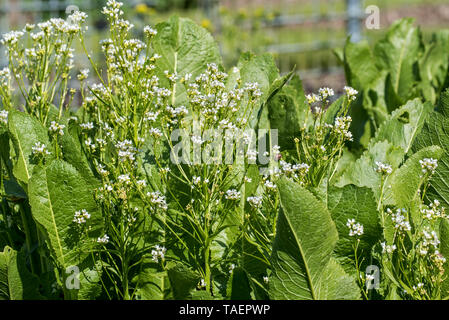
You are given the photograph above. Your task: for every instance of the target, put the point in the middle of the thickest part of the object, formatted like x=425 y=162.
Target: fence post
x=354 y=20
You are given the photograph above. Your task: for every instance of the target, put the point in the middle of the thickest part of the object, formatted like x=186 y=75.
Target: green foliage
x=400 y=67
x=303 y=267
x=137 y=191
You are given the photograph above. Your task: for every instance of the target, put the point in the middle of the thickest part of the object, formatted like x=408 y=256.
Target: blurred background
x=301 y=33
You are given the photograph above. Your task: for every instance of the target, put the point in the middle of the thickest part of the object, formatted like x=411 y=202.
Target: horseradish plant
x=166 y=177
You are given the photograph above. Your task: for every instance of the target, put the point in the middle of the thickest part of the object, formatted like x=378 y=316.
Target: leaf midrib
x=22 y=155
x=306 y=266
x=401 y=57
x=54 y=221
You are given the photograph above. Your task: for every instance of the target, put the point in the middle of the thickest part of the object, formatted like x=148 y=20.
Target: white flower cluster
x=5 y=77
x=399 y=220
x=81 y=216
x=351 y=93
x=251 y=154
x=158 y=253
x=4 y=116
x=103 y=240
x=383 y=168
x=342 y=125
x=419 y=287
x=325 y=93
x=296 y=170
x=141 y=183
x=428 y=165
x=57 y=128
x=149 y=31
x=124 y=179
x=113 y=10
x=430 y=238
x=155 y=132
x=77 y=17
x=40 y=149
x=11 y=38
x=101 y=90
x=388 y=248
x=433 y=211
x=87 y=126
x=84 y=74
x=90 y=145
x=151 y=116
x=270 y=185
x=253 y=89
x=157 y=199
x=180 y=111
x=312 y=98
x=126 y=150
x=369 y=277
x=355 y=228
x=232 y=194
x=255 y=202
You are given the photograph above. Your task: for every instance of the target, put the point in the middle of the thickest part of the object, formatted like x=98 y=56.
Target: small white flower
x=124 y=179
x=103 y=240
x=355 y=228
x=232 y=194
x=197 y=140
x=149 y=31
x=270 y=185
x=399 y=220
x=351 y=93
x=87 y=126
x=141 y=183
x=57 y=128
x=158 y=253
x=158 y=200
x=81 y=216
x=40 y=149
x=369 y=277
x=255 y=202
x=383 y=168
x=388 y=248
x=4 y=116
x=325 y=93
x=155 y=132
x=312 y=98
x=84 y=74
x=428 y=165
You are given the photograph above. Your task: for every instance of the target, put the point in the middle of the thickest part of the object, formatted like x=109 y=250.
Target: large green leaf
x=434 y=65
x=287 y=112
x=16 y=282
x=351 y=202
x=398 y=53
x=25 y=132
x=444 y=248
x=238 y=287
x=359 y=67
x=302 y=250
x=183 y=281
x=362 y=172
x=151 y=283
x=56 y=192
x=404 y=124
x=185 y=48
x=435 y=132
x=407 y=180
